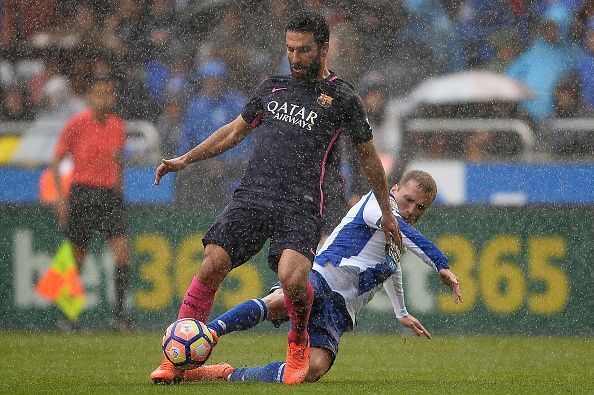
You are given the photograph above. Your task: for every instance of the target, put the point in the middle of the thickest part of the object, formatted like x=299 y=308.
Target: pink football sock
x=198 y=301
x=298 y=310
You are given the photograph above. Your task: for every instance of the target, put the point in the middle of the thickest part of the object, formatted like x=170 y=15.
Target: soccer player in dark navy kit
x=297 y=120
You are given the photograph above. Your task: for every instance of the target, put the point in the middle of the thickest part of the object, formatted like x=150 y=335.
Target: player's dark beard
x=311 y=72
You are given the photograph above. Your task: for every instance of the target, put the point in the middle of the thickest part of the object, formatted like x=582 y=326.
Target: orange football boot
x=297 y=362
x=219 y=371
x=166 y=373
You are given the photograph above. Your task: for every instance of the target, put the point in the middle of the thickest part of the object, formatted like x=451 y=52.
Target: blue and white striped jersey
x=353 y=260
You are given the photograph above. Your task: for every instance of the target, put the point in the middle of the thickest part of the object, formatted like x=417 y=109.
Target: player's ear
x=324 y=49
x=394 y=189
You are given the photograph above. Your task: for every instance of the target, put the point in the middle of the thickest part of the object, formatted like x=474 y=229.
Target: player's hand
x=449 y=279
x=414 y=325
x=391 y=229
x=167 y=166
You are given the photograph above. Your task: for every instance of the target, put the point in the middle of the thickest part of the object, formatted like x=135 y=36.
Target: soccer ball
x=187 y=343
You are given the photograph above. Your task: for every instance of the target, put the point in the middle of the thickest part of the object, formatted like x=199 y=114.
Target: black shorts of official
x=92 y=209
x=244 y=226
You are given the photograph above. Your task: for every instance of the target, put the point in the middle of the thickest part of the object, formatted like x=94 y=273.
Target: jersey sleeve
x=372 y=215
x=67 y=138
x=395 y=291
x=253 y=111
x=422 y=247
x=354 y=119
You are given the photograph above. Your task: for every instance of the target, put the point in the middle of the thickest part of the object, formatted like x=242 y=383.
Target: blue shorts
x=329 y=318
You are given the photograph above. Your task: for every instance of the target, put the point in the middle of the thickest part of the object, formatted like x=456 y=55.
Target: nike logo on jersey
x=278 y=89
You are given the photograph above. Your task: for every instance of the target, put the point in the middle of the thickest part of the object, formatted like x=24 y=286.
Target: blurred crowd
x=189 y=66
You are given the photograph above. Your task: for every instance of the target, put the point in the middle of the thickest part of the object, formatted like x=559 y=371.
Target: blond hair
x=423 y=180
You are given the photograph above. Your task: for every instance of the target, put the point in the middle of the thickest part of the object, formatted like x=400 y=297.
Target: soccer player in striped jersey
x=348 y=270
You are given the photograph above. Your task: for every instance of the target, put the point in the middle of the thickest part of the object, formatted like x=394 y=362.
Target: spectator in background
x=479 y=20
x=433 y=28
x=82 y=28
x=583 y=15
x=78 y=70
x=178 y=86
x=161 y=30
x=129 y=28
x=215 y=105
x=15 y=105
x=373 y=91
x=59 y=101
x=135 y=102
x=568 y=104
x=543 y=63
x=506 y=45
x=585 y=65
x=345 y=53
x=381 y=44
x=238 y=55
x=23 y=19
x=169 y=125
x=168 y=80
x=270 y=20
x=51 y=68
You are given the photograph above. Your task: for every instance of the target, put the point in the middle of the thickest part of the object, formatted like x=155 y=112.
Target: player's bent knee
x=319 y=364
x=294 y=283
x=275 y=302
x=215 y=266
x=316 y=372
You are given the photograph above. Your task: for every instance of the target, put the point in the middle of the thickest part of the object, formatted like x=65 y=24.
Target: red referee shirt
x=95 y=147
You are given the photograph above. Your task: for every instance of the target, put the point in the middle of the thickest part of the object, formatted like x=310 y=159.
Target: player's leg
x=237 y=235
x=329 y=320
x=197 y=303
x=83 y=216
x=199 y=297
x=241 y=317
x=249 y=314
x=320 y=362
x=81 y=222
x=292 y=249
x=79 y=252
x=113 y=225
x=293 y=270
x=120 y=248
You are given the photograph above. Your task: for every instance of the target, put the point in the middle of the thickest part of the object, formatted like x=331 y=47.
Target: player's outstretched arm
x=225 y=138
x=414 y=325
x=450 y=279
x=376 y=177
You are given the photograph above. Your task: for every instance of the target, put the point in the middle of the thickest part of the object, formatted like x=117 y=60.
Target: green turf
x=120 y=363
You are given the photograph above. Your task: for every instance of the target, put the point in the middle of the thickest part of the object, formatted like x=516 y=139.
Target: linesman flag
x=61 y=283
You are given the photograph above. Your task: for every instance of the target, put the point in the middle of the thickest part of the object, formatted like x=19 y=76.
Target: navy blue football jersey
x=298 y=127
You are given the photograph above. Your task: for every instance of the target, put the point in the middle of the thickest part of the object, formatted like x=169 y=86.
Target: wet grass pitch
x=103 y=362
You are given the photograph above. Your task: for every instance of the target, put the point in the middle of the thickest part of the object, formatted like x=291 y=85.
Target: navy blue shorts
x=329 y=318
x=245 y=224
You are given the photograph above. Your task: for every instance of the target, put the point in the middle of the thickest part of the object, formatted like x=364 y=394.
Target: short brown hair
x=309 y=21
x=423 y=180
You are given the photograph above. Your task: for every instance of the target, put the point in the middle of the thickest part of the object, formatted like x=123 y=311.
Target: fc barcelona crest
x=324 y=100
